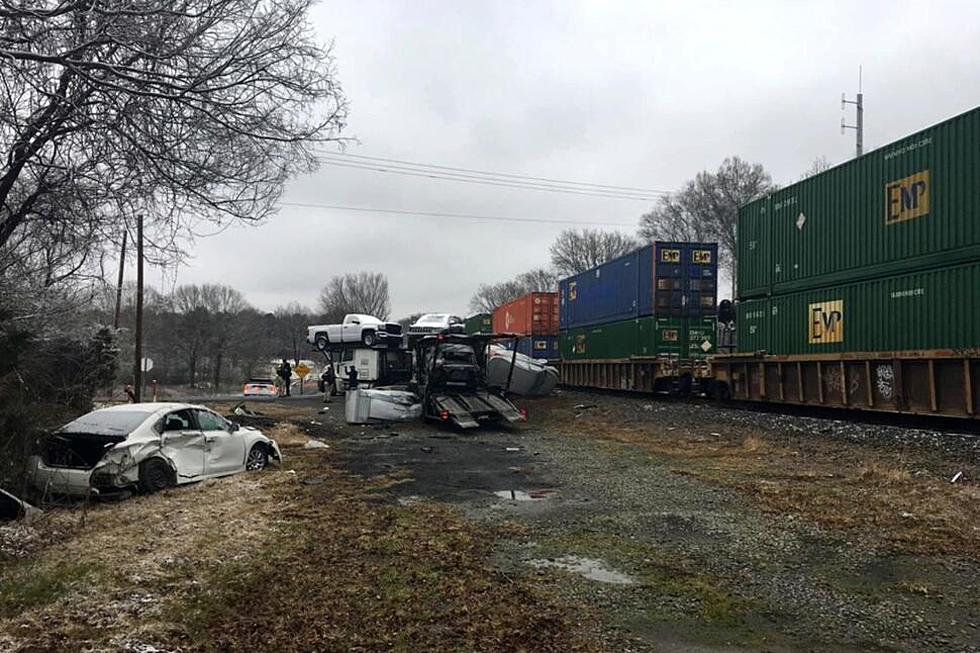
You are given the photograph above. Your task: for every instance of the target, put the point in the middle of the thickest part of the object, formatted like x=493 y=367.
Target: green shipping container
x=924 y=310
x=661 y=336
x=702 y=337
x=648 y=336
x=911 y=205
x=479 y=323
x=602 y=342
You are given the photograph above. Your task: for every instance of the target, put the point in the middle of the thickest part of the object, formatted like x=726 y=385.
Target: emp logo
x=670 y=256
x=670 y=335
x=579 y=346
x=572 y=291
x=826 y=322
x=702 y=256
x=908 y=198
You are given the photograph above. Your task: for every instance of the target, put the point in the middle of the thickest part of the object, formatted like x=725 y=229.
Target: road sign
x=302 y=370
x=147 y=364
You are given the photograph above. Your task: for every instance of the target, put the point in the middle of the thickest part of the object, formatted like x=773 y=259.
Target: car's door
x=224 y=449
x=352 y=329
x=183 y=442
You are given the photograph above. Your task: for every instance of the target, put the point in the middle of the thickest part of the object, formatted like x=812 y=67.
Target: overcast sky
x=642 y=94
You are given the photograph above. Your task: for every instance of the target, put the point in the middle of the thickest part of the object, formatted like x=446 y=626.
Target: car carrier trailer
x=451 y=380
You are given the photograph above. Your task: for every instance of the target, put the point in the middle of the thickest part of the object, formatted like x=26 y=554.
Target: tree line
x=209 y=336
x=705 y=209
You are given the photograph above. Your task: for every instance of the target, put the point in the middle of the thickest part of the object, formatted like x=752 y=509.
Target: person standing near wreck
x=329 y=379
x=352 y=378
x=286 y=372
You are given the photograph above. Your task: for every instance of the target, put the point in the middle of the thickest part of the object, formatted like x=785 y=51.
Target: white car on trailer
x=365 y=329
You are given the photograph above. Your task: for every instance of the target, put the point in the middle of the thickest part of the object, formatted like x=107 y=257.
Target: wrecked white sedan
x=148 y=447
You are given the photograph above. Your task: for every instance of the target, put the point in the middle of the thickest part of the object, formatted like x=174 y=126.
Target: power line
x=455 y=176
x=501 y=174
x=486 y=181
x=464 y=216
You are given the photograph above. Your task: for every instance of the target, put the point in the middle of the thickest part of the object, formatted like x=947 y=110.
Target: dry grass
x=268 y=562
x=137 y=556
x=878 y=472
x=875 y=494
x=287 y=435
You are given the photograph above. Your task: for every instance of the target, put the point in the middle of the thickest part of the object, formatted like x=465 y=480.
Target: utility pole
x=859 y=104
x=122 y=266
x=138 y=372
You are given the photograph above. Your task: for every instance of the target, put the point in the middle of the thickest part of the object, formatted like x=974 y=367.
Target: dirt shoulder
x=604 y=523
x=733 y=531
x=294 y=559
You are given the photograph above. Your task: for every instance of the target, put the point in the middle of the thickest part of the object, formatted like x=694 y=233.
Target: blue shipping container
x=666 y=279
x=536 y=347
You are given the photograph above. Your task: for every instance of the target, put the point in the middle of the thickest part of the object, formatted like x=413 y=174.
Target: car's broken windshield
x=457 y=354
x=107 y=422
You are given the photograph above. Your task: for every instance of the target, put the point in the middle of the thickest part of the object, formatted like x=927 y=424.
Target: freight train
x=858 y=287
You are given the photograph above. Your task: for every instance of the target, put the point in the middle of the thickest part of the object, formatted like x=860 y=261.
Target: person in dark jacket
x=328 y=382
x=352 y=378
x=286 y=372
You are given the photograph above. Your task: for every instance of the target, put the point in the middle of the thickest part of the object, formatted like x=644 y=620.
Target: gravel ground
x=712 y=571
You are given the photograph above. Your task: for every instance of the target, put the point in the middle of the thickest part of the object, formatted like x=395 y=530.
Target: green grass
x=34 y=586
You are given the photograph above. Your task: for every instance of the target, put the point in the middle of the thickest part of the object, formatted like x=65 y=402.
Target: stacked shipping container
x=881 y=253
x=534 y=315
x=479 y=323
x=659 y=300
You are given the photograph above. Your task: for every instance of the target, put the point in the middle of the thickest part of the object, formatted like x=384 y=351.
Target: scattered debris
x=325 y=409
x=512 y=449
x=519 y=374
x=12 y=507
x=369 y=406
x=584 y=406
x=316 y=444
x=956 y=477
x=244 y=411
x=426 y=449
x=521 y=495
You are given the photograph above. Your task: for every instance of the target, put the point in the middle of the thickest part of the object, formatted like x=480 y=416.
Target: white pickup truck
x=356 y=328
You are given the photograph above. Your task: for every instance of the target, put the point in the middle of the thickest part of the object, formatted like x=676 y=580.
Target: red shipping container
x=534 y=314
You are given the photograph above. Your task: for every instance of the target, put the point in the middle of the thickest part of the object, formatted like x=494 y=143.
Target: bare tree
x=538 y=280
x=706 y=209
x=360 y=292
x=818 y=165
x=290 y=322
x=192 y=329
x=576 y=251
x=184 y=110
x=491 y=295
x=224 y=304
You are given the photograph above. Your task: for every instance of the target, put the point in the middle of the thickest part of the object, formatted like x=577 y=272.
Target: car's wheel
x=369 y=338
x=257 y=459
x=321 y=341
x=155 y=475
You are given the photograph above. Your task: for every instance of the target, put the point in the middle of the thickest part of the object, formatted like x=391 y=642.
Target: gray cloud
x=633 y=94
